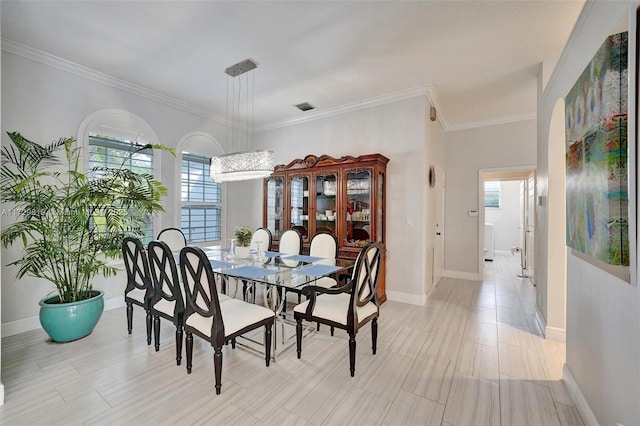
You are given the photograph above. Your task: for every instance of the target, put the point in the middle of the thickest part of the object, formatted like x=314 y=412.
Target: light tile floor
x=473 y=355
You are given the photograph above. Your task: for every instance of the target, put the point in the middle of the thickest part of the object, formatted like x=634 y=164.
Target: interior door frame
x=439 y=239
x=481 y=217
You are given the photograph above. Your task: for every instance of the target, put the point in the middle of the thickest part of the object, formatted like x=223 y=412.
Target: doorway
x=507 y=221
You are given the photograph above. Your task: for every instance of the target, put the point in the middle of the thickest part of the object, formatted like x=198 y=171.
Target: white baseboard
x=461 y=275
x=550 y=333
x=116 y=302
x=587 y=415
x=410 y=298
x=542 y=323
x=33 y=323
x=1 y=394
x=556 y=334
x=20 y=326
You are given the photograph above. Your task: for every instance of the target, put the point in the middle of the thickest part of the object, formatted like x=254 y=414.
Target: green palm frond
x=69 y=224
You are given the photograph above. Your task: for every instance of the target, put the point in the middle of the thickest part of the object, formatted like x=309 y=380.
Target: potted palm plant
x=70 y=225
x=243 y=236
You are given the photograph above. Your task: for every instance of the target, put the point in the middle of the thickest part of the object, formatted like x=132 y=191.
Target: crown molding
x=427 y=90
x=102 y=78
x=495 y=122
x=350 y=107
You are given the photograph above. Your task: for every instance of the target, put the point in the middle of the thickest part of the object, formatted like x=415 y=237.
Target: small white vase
x=243 y=252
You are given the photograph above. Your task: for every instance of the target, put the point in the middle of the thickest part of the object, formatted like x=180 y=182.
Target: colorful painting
x=596 y=131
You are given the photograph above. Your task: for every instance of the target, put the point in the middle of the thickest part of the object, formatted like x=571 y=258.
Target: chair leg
x=318 y=327
x=374 y=334
x=149 y=325
x=299 y=336
x=244 y=290
x=352 y=353
x=267 y=343
x=129 y=317
x=233 y=343
x=217 y=366
x=178 y=345
x=156 y=331
x=189 y=350
x=332 y=330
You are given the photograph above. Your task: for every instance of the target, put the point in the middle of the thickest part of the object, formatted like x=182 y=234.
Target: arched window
x=115 y=138
x=200 y=197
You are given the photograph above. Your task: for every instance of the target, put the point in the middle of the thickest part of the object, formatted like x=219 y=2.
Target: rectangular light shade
x=242 y=166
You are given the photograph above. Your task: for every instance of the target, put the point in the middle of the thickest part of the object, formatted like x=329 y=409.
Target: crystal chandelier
x=247 y=164
x=242 y=166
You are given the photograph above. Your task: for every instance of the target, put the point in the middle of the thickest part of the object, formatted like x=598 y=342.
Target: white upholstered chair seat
x=136 y=294
x=165 y=306
x=334 y=307
x=236 y=315
x=326 y=282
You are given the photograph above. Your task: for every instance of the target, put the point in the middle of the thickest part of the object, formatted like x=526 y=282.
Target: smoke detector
x=305 y=106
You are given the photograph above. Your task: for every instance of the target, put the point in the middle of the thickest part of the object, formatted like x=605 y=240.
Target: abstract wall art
x=596 y=156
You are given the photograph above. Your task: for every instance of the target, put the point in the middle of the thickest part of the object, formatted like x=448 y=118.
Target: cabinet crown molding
x=310 y=161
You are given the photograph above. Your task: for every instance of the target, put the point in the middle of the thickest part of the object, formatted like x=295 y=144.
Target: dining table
x=275 y=272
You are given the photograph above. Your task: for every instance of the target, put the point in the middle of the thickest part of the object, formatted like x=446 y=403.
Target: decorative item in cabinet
x=358 y=208
x=344 y=196
x=325 y=202
x=299 y=201
x=274 y=205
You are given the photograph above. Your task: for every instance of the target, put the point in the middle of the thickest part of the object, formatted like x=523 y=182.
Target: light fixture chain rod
x=228 y=116
x=253 y=105
x=247 y=113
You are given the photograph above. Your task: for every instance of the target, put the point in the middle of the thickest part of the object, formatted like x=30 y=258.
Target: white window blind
x=201 y=218
x=492 y=194
x=115 y=153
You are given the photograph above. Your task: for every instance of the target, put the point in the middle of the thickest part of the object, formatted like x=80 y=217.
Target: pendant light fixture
x=243 y=165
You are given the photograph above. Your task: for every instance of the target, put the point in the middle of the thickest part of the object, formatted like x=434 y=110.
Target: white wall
x=603 y=313
x=45 y=103
x=434 y=156
x=506 y=218
x=399 y=132
x=510 y=145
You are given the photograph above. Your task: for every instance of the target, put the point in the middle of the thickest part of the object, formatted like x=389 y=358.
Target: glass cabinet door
x=380 y=210
x=299 y=190
x=326 y=187
x=274 y=204
x=358 y=229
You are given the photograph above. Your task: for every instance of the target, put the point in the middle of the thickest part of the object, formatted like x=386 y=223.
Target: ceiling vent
x=305 y=106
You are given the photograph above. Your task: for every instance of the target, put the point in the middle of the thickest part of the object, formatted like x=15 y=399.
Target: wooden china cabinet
x=345 y=196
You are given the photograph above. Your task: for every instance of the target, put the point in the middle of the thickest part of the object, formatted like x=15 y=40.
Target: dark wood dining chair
x=167 y=301
x=348 y=307
x=139 y=289
x=211 y=320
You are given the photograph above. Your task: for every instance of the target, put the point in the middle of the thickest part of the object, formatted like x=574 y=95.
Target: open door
x=529 y=223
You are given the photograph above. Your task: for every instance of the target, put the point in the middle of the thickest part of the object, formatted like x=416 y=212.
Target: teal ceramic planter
x=65 y=322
